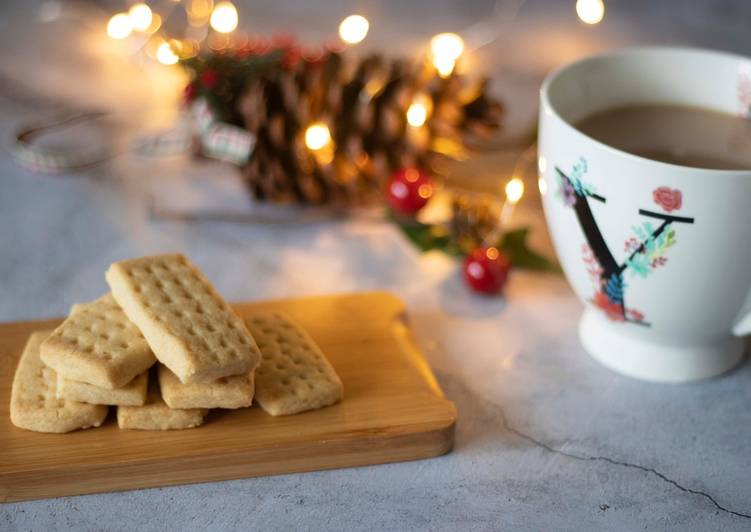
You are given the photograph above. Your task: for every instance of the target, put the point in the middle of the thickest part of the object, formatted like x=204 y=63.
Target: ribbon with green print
x=216 y=139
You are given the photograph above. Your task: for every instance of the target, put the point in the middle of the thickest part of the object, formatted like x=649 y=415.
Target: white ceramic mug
x=660 y=254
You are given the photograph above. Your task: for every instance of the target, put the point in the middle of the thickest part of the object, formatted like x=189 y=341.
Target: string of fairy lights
x=214 y=24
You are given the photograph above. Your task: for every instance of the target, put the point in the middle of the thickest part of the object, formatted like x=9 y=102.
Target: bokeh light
x=590 y=11
x=514 y=190
x=445 y=49
x=317 y=136
x=419 y=111
x=224 y=18
x=354 y=29
x=119 y=26
x=166 y=55
x=140 y=16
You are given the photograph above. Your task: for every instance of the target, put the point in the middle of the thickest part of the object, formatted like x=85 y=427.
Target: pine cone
x=364 y=105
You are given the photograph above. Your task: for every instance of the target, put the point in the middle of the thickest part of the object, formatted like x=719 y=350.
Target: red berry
x=408 y=190
x=190 y=92
x=209 y=78
x=486 y=270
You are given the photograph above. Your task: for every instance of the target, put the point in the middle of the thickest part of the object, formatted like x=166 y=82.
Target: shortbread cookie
x=156 y=415
x=294 y=375
x=97 y=344
x=33 y=401
x=227 y=392
x=188 y=325
x=132 y=394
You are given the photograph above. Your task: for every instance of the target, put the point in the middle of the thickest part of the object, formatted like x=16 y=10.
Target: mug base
x=654 y=362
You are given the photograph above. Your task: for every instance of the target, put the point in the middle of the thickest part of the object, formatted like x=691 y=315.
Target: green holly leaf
x=514 y=245
x=427 y=237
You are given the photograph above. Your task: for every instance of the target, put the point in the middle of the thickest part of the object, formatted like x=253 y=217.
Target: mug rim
x=630 y=51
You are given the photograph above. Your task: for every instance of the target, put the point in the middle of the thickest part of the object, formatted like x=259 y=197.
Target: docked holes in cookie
x=242 y=339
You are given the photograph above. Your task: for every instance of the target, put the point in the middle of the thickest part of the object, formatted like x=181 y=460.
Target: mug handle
x=742 y=325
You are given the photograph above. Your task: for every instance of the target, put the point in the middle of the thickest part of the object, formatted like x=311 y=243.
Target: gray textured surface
x=546 y=439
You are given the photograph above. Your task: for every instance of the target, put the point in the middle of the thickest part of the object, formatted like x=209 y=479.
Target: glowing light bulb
x=445 y=49
x=514 y=190
x=419 y=110
x=447 y=45
x=224 y=18
x=119 y=26
x=140 y=17
x=590 y=11
x=353 y=29
x=317 y=136
x=444 y=66
x=166 y=55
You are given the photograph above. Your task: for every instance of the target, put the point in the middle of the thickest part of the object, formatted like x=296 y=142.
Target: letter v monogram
x=646 y=249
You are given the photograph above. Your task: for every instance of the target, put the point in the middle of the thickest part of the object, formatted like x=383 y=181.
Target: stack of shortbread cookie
x=164 y=348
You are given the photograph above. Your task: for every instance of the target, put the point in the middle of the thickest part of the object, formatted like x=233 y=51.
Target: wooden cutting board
x=393 y=410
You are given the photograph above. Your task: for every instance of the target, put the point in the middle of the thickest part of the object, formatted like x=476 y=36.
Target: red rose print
x=669 y=199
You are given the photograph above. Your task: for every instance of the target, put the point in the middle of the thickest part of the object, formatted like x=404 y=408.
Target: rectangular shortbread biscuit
x=227 y=392
x=294 y=375
x=33 y=400
x=156 y=415
x=133 y=393
x=189 y=327
x=97 y=344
